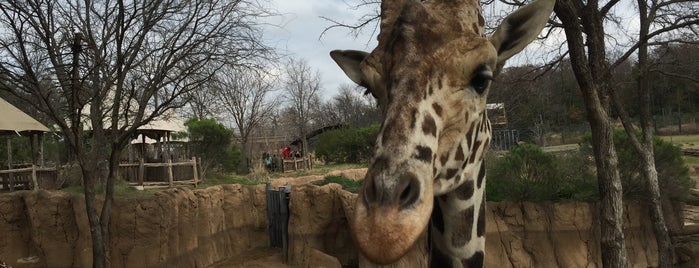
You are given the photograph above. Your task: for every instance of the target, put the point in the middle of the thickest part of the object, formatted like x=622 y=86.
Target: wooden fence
x=29 y=177
x=279 y=164
x=160 y=174
x=297 y=164
x=278 y=217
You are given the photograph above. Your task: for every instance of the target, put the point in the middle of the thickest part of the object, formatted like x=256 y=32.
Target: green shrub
x=347 y=184
x=211 y=141
x=347 y=145
x=529 y=173
x=673 y=175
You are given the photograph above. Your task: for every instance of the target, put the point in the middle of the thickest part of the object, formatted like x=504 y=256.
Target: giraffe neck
x=458 y=225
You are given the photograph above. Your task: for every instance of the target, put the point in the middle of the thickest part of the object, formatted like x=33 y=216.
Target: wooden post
x=34 y=180
x=194 y=169
x=41 y=149
x=169 y=173
x=9 y=163
x=141 y=170
x=12 y=182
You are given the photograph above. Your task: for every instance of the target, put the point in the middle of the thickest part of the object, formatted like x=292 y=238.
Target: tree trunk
x=662 y=237
x=645 y=147
x=665 y=250
x=96 y=232
x=610 y=190
x=584 y=31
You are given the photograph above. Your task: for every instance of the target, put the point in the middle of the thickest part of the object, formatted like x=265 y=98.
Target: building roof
x=14 y=120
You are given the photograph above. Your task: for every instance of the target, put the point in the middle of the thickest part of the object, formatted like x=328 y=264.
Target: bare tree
x=302 y=86
x=112 y=66
x=246 y=98
x=586 y=25
x=667 y=19
x=583 y=24
x=352 y=107
x=203 y=102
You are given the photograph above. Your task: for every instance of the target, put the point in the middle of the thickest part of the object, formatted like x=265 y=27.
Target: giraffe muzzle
x=402 y=191
x=390 y=214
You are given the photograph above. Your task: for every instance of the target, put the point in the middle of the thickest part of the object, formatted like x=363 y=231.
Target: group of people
x=271 y=160
x=288 y=153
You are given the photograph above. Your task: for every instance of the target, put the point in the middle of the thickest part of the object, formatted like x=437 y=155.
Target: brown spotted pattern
x=430 y=74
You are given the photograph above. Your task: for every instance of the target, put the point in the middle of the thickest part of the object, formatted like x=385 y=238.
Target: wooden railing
x=296 y=164
x=160 y=174
x=33 y=177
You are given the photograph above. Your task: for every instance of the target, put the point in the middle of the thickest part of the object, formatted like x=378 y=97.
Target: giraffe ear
x=349 y=61
x=520 y=28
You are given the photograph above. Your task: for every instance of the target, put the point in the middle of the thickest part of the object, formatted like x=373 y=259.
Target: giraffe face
x=430 y=74
x=433 y=100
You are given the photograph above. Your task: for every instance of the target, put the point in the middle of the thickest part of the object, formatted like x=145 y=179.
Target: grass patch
x=347 y=184
x=318 y=169
x=684 y=141
x=218 y=179
x=691 y=160
x=121 y=189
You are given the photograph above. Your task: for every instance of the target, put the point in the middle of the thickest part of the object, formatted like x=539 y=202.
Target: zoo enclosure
x=160 y=174
x=32 y=177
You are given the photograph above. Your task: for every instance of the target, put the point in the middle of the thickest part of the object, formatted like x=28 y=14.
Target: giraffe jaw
x=385 y=234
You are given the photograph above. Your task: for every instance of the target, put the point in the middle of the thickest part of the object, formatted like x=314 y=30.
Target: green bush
x=347 y=184
x=673 y=175
x=529 y=173
x=347 y=145
x=211 y=141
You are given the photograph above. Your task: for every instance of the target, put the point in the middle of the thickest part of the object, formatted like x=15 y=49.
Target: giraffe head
x=430 y=74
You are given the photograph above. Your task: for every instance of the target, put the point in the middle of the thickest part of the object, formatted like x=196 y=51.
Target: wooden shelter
x=15 y=122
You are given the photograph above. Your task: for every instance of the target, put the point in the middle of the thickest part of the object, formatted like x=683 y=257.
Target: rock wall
x=175 y=228
x=518 y=234
x=197 y=228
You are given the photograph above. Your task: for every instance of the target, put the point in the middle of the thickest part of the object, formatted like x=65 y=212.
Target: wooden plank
x=141 y=171
x=194 y=170
x=17 y=170
x=169 y=172
x=34 y=180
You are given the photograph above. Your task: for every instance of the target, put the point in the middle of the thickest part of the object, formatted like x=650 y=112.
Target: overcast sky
x=299 y=29
x=297 y=33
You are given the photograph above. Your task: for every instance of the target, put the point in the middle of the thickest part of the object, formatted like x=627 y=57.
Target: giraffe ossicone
x=430 y=74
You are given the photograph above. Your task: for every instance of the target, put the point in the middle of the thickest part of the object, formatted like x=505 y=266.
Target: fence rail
x=160 y=174
x=33 y=177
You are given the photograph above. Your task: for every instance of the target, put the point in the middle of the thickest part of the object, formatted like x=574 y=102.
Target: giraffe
x=430 y=74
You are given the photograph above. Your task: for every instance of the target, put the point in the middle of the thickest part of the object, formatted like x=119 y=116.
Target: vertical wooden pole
x=32 y=149
x=9 y=152
x=12 y=182
x=9 y=163
x=34 y=180
x=41 y=149
x=130 y=150
x=169 y=172
x=194 y=170
x=141 y=170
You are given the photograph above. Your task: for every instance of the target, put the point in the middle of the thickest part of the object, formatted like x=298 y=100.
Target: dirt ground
x=255 y=258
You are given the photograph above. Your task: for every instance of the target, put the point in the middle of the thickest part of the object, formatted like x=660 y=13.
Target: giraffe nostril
x=410 y=192
x=370 y=191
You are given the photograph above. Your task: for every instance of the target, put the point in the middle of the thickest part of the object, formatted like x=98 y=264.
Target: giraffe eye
x=481 y=80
